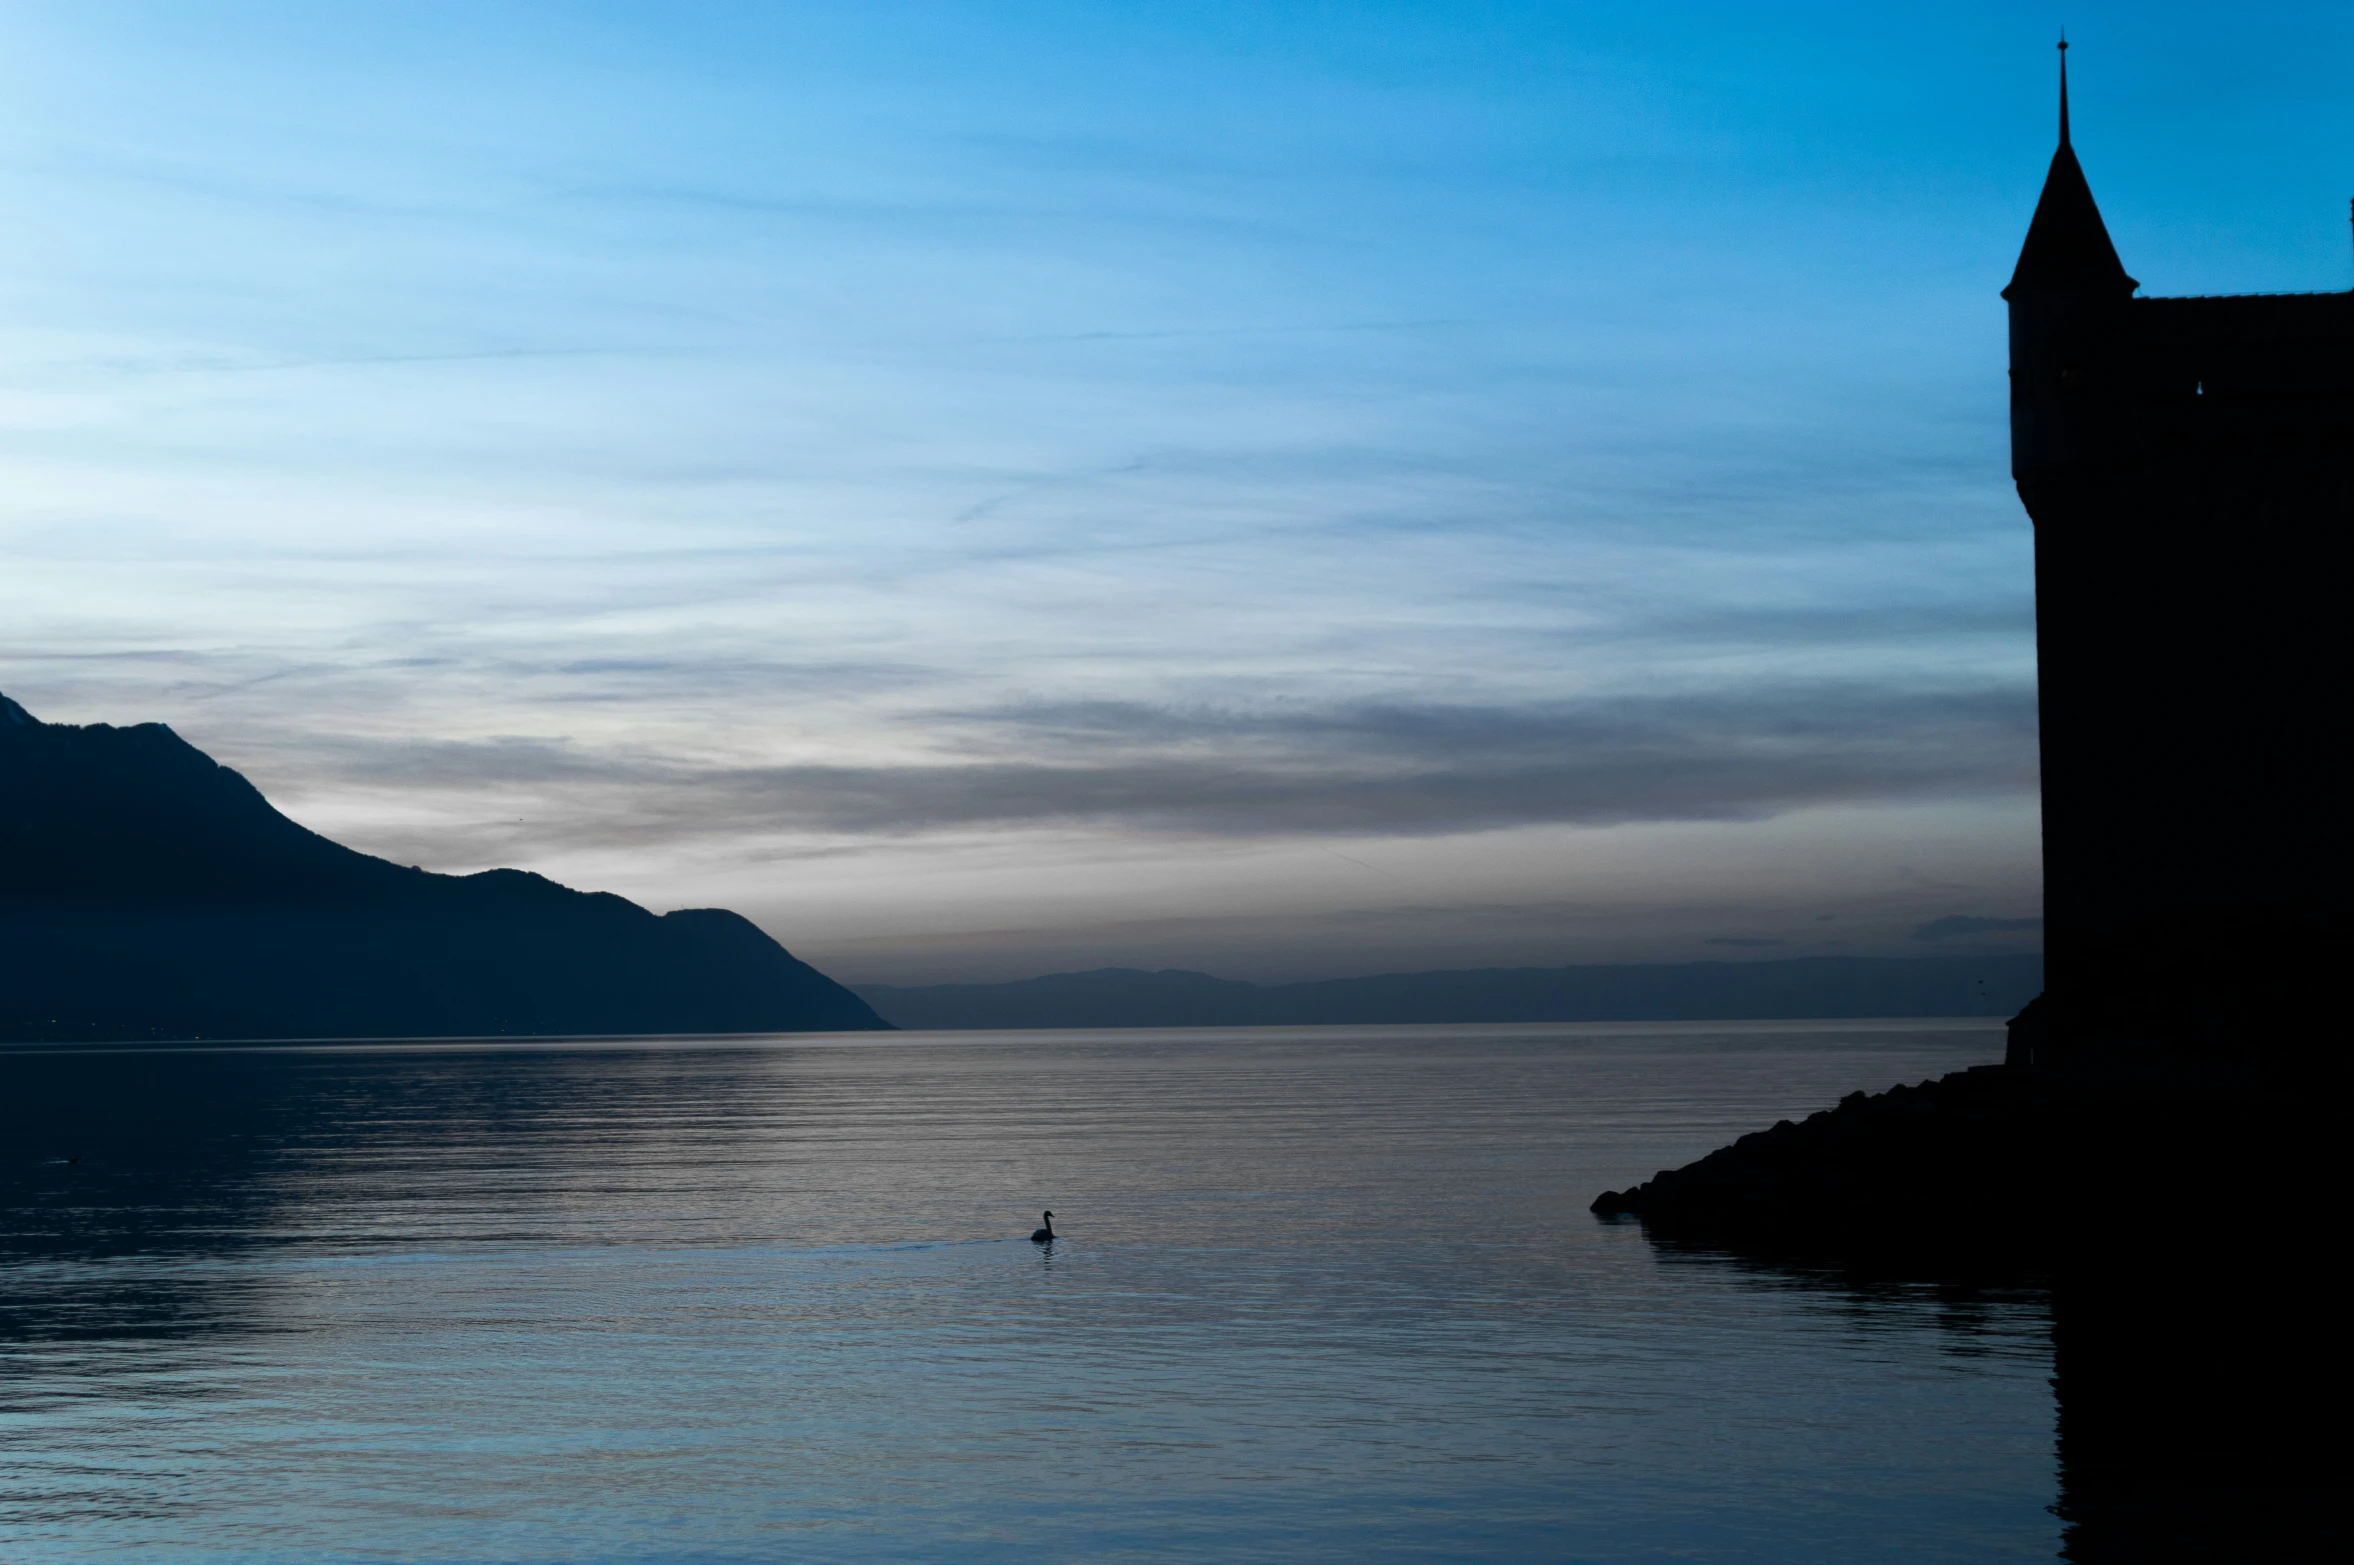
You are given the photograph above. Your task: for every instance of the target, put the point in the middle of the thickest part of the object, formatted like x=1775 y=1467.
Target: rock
x=1951 y=1168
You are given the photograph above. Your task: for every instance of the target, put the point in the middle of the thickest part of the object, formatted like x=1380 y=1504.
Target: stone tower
x=2188 y=465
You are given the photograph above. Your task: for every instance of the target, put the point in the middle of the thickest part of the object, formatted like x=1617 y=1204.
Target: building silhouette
x=2189 y=467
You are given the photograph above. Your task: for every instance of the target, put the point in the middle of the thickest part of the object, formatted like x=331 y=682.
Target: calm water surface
x=1326 y=1293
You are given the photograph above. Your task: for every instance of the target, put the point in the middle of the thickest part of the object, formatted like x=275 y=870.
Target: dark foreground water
x=1326 y=1293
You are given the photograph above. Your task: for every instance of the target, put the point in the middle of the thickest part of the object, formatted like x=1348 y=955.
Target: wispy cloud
x=651 y=449
x=1369 y=770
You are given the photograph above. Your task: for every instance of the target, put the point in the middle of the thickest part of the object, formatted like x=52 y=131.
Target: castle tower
x=2189 y=468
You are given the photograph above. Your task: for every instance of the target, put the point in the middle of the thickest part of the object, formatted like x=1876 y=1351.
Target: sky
x=996 y=488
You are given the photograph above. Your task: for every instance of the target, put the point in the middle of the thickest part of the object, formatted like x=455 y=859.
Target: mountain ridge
x=149 y=892
x=1790 y=988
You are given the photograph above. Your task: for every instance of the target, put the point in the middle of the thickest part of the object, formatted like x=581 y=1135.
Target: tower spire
x=2068 y=249
x=2063 y=86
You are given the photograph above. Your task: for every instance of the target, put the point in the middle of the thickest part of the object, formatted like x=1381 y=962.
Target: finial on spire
x=2063 y=86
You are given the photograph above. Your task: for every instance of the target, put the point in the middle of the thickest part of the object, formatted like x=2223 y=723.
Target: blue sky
x=987 y=488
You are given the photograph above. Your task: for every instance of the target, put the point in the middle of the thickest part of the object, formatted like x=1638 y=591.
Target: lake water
x=1325 y=1293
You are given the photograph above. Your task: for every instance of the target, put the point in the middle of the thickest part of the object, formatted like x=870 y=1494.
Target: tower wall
x=2189 y=467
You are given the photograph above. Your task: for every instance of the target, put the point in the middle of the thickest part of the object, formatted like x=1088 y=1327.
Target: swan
x=1044 y=1235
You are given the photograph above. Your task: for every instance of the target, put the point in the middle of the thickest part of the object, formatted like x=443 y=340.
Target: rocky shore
x=2182 y=1214
x=1953 y=1175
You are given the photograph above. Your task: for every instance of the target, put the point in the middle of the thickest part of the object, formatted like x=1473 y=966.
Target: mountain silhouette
x=149 y=892
x=1810 y=986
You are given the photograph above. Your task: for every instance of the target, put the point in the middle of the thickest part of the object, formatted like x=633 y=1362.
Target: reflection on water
x=1323 y=1292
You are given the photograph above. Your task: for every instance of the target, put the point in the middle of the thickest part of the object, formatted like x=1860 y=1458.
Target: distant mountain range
x=1801 y=987
x=148 y=892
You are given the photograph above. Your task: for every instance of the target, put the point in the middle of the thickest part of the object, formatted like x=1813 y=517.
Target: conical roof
x=2068 y=248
